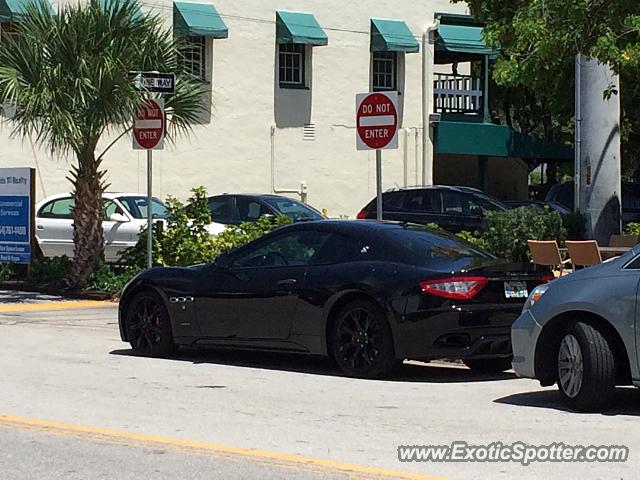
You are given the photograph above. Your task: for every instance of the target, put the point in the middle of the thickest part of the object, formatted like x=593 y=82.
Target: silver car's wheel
x=585 y=367
x=570 y=366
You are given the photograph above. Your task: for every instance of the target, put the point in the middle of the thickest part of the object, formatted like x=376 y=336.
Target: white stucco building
x=283 y=94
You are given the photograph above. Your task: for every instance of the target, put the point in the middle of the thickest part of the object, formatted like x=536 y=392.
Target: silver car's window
x=61 y=208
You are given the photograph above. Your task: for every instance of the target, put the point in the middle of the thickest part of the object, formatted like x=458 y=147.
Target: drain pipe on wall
x=427 y=103
x=302 y=191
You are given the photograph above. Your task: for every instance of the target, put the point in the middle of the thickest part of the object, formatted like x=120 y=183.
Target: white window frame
x=292 y=59
x=193 y=57
x=384 y=80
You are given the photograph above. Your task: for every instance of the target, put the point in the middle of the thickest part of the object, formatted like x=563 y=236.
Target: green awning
x=298 y=27
x=392 y=36
x=198 y=20
x=12 y=10
x=462 y=39
x=487 y=139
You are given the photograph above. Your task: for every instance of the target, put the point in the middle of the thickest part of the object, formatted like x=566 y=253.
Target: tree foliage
x=535 y=73
x=69 y=76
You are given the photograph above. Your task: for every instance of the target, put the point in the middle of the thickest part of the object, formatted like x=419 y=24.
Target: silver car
x=580 y=331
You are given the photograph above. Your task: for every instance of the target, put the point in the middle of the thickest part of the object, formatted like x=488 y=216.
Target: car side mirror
x=223 y=261
x=118 y=217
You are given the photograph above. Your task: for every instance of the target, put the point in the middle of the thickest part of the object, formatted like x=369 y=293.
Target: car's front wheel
x=361 y=341
x=585 y=368
x=148 y=325
x=489 y=365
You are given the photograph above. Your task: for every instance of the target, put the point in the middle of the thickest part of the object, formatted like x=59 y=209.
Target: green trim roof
x=462 y=39
x=198 y=20
x=299 y=27
x=487 y=139
x=12 y=10
x=392 y=36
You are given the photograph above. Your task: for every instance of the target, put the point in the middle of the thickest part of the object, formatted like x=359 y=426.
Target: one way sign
x=155 y=82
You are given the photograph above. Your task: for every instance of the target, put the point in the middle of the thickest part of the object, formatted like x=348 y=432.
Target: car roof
x=107 y=195
x=455 y=188
x=255 y=195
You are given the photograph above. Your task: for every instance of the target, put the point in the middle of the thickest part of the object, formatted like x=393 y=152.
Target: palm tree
x=69 y=76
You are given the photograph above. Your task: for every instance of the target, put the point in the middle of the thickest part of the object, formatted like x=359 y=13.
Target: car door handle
x=289 y=282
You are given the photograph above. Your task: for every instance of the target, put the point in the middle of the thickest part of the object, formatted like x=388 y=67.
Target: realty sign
x=377 y=121
x=149 y=126
x=16 y=214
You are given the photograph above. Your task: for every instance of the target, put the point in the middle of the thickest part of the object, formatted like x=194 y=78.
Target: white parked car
x=123 y=216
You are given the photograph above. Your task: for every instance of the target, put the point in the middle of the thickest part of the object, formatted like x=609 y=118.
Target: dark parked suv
x=234 y=209
x=563 y=193
x=452 y=208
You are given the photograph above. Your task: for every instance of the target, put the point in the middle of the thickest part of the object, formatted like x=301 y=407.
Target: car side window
x=455 y=203
x=249 y=210
x=109 y=207
x=392 y=201
x=633 y=264
x=422 y=201
x=343 y=249
x=61 y=208
x=288 y=249
x=221 y=209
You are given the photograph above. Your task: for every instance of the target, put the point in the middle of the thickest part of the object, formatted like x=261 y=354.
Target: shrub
x=473 y=239
x=633 y=228
x=185 y=239
x=111 y=278
x=507 y=232
x=50 y=271
x=7 y=271
x=575 y=224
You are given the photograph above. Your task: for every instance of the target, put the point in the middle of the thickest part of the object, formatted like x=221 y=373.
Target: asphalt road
x=74 y=403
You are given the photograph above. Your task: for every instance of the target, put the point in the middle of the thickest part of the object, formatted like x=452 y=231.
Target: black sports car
x=368 y=294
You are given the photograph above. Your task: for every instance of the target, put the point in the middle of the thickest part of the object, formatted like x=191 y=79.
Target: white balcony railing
x=457 y=94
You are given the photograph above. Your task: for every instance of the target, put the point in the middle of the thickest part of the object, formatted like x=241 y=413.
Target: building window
x=384 y=70
x=291 y=65
x=192 y=57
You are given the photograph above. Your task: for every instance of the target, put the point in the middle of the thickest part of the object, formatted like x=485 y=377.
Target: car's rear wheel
x=148 y=325
x=585 y=368
x=489 y=365
x=361 y=341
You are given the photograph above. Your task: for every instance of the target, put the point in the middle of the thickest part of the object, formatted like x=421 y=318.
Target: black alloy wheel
x=361 y=341
x=148 y=325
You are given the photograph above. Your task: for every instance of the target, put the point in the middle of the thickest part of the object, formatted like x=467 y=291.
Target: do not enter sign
x=377 y=120
x=149 y=126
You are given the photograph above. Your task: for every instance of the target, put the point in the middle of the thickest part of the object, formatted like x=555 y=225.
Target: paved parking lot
x=77 y=404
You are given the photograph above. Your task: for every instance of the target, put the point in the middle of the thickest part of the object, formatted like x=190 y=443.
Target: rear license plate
x=515 y=290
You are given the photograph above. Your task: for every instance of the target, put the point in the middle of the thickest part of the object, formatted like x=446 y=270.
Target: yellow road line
x=59 y=305
x=197 y=447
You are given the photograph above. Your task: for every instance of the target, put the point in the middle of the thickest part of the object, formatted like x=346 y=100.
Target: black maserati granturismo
x=369 y=294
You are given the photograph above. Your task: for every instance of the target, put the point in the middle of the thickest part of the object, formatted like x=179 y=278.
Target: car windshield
x=292 y=209
x=137 y=207
x=489 y=203
x=436 y=251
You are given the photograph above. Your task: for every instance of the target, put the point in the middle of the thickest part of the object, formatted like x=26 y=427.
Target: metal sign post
x=377 y=129
x=148 y=134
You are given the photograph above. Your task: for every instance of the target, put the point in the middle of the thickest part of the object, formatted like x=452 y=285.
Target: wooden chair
x=546 y=252
x=584 y=253
x=624 y=240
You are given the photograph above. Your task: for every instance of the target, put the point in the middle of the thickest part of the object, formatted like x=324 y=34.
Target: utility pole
x=598 y=192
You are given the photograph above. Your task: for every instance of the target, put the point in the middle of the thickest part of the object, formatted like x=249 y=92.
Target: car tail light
x=362 y=214
x=459 y=288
